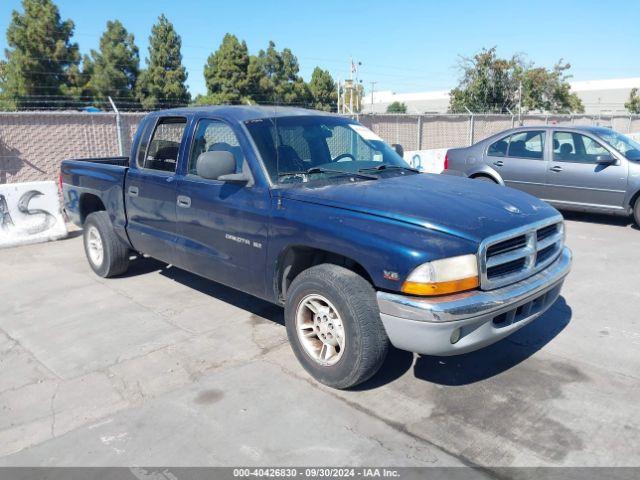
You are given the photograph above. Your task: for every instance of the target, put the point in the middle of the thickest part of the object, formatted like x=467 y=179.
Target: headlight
x=440 y=277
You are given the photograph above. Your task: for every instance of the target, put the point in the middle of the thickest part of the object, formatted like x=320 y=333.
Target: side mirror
x=214 y=165
x=398 y=148
x=605 y=159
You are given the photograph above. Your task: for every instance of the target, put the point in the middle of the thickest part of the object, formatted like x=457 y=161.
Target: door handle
x=183 y=201
x=133 y=191
x=557 y=168
x=499 y=163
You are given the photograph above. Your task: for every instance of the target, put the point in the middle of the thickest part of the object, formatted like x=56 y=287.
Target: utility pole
x=520 y=103
x=338 y=109
x=373 y=85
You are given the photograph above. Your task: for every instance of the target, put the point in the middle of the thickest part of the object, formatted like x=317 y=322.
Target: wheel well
x=632 y=203
x=89 y=203
x=296 y=259
x=485 y=175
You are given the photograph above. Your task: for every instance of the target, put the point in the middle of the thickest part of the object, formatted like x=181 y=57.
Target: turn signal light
x=440 y=288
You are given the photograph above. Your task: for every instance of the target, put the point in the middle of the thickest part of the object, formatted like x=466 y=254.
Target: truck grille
x=513 y=256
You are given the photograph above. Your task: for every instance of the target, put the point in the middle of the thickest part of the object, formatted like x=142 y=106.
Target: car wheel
x=107 y=254
x=636 y=212
x=334 y=326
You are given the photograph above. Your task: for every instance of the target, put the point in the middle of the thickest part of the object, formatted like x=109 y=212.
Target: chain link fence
x=32 y=144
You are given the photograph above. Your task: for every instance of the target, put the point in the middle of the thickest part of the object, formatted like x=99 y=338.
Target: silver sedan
x=591 y=169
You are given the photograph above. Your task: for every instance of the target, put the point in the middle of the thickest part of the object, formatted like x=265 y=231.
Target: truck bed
x=100 y=180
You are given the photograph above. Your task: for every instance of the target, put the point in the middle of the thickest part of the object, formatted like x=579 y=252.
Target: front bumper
x=426 y=325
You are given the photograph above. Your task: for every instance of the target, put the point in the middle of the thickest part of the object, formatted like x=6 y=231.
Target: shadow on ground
x=454 y=371
x=615 y=220
x=499 y=357
x=256 y=306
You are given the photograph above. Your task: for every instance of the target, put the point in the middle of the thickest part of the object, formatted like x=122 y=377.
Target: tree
x=488 y=84
x=39 y=56
x=492 y=84
x=162 y=83
x=226 y=73
x=549 y=91
x=397 y=107
x=323 y=90
x=633 y=104
x=274 y=76
x=115 y=65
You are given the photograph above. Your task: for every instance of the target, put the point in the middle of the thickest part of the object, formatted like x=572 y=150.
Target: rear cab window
x=161 y=151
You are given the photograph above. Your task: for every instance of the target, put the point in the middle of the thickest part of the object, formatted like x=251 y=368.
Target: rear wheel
x=107 y=254
x=636 y=211
x=334 y=326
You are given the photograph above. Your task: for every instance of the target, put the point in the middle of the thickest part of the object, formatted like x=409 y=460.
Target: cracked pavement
x=161 y=367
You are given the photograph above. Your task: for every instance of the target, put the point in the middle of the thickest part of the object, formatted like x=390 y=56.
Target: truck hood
x=457 y=206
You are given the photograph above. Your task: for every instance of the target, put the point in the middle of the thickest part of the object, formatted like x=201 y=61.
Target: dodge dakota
x=316 y=213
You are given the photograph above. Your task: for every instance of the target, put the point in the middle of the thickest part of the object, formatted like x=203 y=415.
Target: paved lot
x=163 y=368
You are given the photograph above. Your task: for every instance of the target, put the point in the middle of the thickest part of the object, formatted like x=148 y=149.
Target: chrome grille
x=515 y=255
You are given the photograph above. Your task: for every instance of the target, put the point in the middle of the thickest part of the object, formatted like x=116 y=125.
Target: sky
x=404 y=46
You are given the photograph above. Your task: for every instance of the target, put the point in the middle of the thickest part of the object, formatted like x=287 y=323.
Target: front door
x=520 y=161
x=222 y=226
x=576 y=180
x=150 y=190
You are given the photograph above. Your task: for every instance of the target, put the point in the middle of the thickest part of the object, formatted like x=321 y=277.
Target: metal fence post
x=419 y=132
x=118 y=128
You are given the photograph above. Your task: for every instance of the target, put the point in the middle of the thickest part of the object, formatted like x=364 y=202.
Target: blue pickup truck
x=316 y=213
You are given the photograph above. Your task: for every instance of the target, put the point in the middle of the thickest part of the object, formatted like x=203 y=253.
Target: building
x=598 y=96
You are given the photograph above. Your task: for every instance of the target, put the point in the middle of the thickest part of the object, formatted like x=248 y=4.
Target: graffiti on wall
x=29 y=213
x=427 y=161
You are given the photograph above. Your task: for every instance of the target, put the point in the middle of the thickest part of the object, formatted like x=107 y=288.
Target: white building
x=598 y=96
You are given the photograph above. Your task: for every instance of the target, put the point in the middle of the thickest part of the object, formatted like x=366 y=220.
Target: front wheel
x=636 y=211
x=334 y=326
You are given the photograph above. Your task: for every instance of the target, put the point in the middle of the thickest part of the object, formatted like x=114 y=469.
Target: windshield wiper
x=313 y=170
x=389 y=167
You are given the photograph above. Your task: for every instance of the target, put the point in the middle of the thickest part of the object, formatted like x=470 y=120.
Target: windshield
x=629 y=148
x=307 y=148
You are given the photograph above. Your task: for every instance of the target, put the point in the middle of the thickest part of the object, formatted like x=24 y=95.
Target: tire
x=636 y=211
x=107 y=254
x=484 y=178
x=364 y=339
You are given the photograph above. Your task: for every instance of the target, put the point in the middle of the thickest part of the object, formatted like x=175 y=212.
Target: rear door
x=222 y=226
x=150 y=189
x=520 y=160
x=576 y=180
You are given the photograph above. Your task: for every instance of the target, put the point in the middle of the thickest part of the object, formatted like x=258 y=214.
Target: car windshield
x=317 y=147
x=629 y=148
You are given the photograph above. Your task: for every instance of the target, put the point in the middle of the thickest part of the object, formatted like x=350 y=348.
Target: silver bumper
x=479 y=318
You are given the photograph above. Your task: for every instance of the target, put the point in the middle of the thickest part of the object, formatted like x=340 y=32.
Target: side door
x=520 y=160
x=150 y=189
x=222 y=226
x=575 y=179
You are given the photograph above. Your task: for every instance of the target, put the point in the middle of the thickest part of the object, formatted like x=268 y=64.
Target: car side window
x=214 y=136
x=529 y=144
x=163 y=149
x=499 y=148
x=575 y=147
